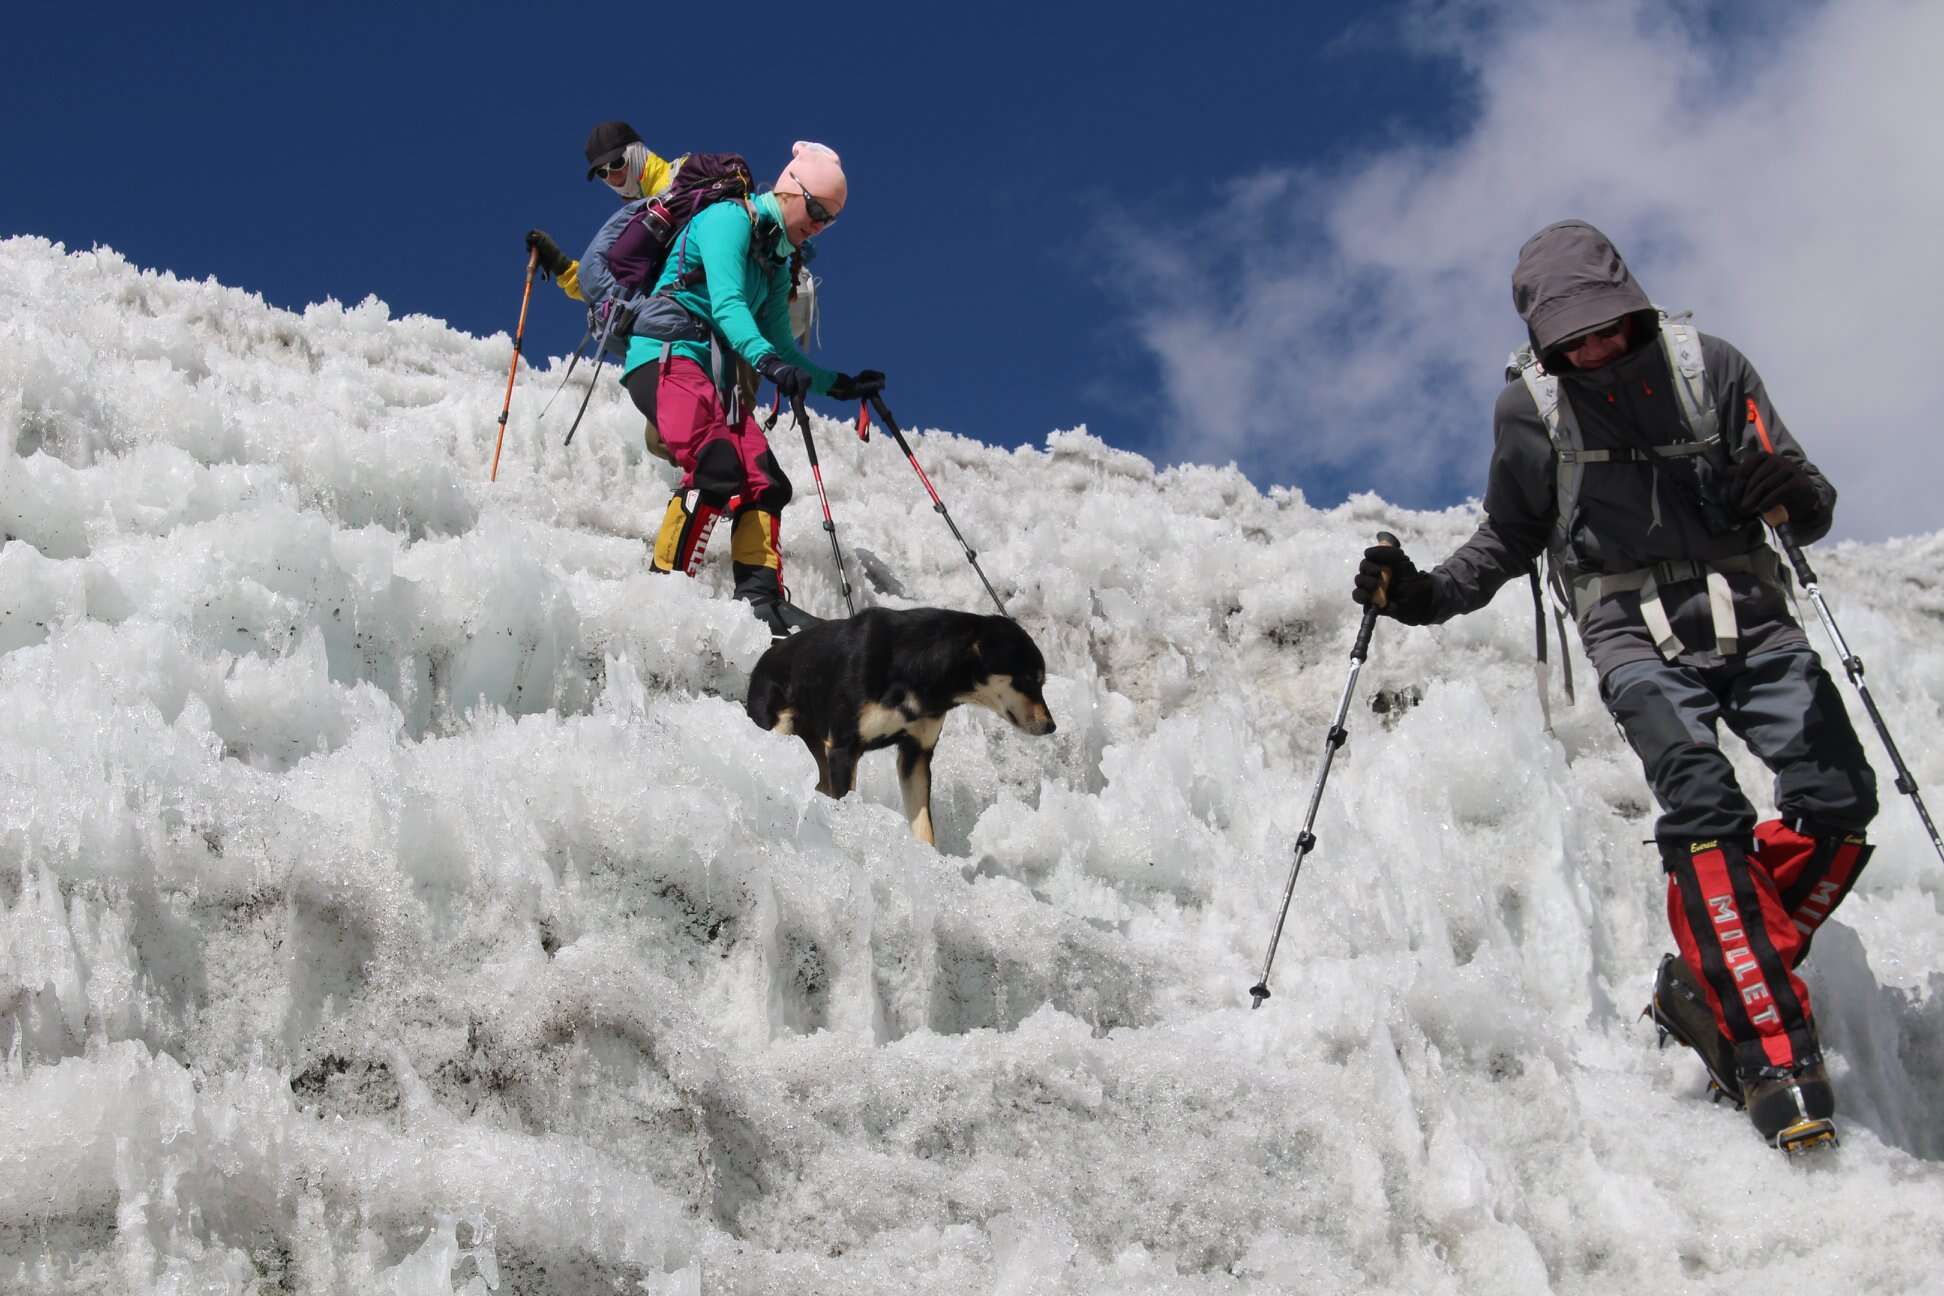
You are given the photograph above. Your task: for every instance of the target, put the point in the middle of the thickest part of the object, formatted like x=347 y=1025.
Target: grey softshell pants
x=1782 y=704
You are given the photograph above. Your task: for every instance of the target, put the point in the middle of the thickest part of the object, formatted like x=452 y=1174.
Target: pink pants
x=719 y=460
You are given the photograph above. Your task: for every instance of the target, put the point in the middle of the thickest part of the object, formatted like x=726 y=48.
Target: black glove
x=551 y=260
x=790 y=380
x=1760 y=482
x=868 y=382
x=1407 y=596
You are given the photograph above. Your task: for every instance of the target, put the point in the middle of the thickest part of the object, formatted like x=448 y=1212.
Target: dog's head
x=1011 y=675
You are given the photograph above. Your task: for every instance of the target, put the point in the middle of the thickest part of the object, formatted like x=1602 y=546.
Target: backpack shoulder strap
x=1563 y=430
x=1569 y=469
x=1682 y=343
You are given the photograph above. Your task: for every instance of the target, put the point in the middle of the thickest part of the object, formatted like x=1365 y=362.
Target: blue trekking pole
x=1306 y=840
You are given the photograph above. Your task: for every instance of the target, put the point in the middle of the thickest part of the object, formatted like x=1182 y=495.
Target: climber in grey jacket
x=1640 y=458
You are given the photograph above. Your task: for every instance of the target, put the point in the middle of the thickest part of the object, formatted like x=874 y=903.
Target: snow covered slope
x=394 y=898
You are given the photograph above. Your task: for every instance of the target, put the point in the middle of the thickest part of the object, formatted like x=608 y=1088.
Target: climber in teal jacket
x=743 y=253
x=725 y=293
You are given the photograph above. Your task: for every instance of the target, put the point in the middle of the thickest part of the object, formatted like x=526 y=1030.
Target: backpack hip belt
x=1647 y=581
x=663 y=319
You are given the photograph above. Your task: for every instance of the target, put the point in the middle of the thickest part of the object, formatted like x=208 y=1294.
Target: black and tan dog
x=886 y=678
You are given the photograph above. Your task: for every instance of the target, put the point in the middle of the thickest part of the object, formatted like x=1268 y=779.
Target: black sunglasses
x=1600 y=334
x=815 y=210
x=609 y=168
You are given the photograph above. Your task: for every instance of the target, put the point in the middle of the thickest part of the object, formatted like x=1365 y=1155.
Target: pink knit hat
x=817 y=168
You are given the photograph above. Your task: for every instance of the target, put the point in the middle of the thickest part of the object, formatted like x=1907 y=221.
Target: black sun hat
x=606 y=145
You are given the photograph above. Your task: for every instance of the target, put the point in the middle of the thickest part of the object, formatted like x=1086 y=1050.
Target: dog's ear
x=1006 y=649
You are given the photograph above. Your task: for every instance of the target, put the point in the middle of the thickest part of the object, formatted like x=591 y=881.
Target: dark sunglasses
x=815 y=210
x=1600 y=334
x=609 y=168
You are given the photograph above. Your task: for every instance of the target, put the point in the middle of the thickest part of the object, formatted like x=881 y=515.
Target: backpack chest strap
x=1629 y=454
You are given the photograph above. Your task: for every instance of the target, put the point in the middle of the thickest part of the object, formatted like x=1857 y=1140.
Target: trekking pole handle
x=884 y=414
x=1364 y=631
x=1797 y=559
x=803 y=422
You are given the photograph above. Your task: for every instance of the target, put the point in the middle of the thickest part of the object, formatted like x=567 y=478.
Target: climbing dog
x=886 y=678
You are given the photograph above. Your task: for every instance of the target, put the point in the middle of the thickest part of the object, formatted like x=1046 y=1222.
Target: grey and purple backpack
x=640 y=250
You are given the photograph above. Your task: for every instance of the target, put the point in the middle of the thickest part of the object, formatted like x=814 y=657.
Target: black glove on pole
x=830 y=524
x=792 y=381
x=1306 y=840
x=1852 y=664
x=868 y=382
x=1389 y=582
x=938 y=505
x=1768 y=481
x=519 y=332
x=552 y=261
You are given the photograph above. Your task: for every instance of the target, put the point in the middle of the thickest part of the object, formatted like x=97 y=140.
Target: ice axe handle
x=1362 y=648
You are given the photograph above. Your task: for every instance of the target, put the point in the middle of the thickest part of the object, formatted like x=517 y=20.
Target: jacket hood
x=1570 y=278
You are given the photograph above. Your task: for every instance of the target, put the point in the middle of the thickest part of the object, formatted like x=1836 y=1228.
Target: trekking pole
x=1306 y=840
x=567 y=377
x=610 y=313
x=810 y=446
x=1853 y=667
x=526 y=295
x=1852 y=664
x=938 y=505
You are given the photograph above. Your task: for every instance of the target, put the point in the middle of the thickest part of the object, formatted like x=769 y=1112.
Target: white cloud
x=1785 y=180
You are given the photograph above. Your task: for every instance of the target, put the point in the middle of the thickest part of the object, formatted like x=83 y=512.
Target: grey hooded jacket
x=1630 y=515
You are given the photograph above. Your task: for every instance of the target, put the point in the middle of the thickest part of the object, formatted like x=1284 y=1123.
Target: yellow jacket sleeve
x=655 y=174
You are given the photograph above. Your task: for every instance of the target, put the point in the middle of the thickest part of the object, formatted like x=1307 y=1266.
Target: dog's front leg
x=914 y=781
x=823 y=767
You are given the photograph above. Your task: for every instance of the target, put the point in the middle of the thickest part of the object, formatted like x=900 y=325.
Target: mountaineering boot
x=756 y=560
x=760 y=588
x=784 y=618
x=1791 y=1109
x=1680 y=1008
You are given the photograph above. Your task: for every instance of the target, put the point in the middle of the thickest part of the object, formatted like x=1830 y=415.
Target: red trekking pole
x=526 y=295
x=830 y=526
x=938 y=505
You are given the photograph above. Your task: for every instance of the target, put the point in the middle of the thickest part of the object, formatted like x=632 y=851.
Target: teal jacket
x=745 y=292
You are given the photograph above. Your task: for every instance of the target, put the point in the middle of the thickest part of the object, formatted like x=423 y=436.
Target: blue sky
x=343 y=150
x=1269 y=233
